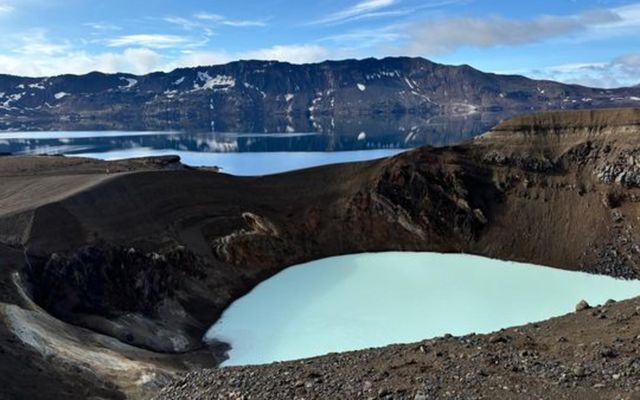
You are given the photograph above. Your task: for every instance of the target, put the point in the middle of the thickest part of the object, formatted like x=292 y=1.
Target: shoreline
x=589 y=354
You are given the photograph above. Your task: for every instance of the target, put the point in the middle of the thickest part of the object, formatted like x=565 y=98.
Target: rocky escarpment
x=150 y=254
x=258 y=96
x=119 y=284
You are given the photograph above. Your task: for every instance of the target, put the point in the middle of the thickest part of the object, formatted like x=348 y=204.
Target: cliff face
x=151 y=253
x=255 y=96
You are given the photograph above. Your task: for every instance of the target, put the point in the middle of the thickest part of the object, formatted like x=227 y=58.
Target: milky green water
x=369 y=300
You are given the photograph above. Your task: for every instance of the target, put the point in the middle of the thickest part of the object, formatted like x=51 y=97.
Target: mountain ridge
x=328 y=61
x=270 y=96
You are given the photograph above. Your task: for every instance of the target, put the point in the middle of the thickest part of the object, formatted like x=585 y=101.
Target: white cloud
x=134 y=60
x=153 y=41
x=448 y=35
x=368 y=38
x=222 y=20
x=296 y=54
x=198 y=58
x=138 y=60
x=380 y=8
x=363 y=8
x=102 y=26
x=35 y=43
x=206 y=22
x=621 y=71
x=5 y=7
x=184 y=23
x=629 y=16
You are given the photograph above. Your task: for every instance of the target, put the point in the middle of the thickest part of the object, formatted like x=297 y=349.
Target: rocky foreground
x=593 y=354
x=111 y=272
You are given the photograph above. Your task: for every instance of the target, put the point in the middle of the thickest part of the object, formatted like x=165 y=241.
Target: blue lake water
x=369 y=300
x=237 y=154
x=252 y=164
x=258 y=151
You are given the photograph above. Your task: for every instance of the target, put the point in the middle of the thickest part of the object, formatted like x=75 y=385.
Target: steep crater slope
x=152 y=255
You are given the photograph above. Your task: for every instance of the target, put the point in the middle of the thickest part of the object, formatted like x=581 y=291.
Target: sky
x=590 y=42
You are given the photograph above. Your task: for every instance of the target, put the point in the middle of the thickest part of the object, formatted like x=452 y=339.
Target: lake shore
x=367 y=300
x=588 y=355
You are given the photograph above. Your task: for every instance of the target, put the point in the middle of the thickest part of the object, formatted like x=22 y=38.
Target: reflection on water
x=348 y=140
x=366 y=300
x=357 y=134
x=433 y=129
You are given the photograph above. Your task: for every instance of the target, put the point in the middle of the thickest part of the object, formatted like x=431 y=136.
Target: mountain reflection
x=345 y=135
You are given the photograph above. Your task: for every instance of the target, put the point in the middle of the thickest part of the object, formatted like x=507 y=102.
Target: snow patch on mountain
x=218 y=82
x=130 y=82
x=381 y=74
x=6 y=105
x=250 y=86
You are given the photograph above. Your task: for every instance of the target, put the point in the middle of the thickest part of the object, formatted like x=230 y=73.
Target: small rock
x=582 y=305
x=616 y=216
x=579 y=372
x=497 y=339
x=608 y=353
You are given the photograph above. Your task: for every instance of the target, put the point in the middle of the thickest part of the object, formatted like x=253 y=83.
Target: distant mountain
x=259 y=96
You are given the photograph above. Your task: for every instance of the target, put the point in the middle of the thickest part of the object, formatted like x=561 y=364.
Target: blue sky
x=591 y=42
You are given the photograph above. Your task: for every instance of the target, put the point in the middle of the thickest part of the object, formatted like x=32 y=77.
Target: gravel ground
x=591 y=354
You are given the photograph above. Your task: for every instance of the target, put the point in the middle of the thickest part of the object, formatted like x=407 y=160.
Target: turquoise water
x=369 y=300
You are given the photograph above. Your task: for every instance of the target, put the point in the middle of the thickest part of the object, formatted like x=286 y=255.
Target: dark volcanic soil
x=116 y=269
x=591 y=355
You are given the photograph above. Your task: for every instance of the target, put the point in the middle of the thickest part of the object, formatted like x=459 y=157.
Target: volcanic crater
x=113 y=271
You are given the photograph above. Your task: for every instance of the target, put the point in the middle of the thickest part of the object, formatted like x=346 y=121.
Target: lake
x=369 y=300
x=257 y=153
x=237 y=154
